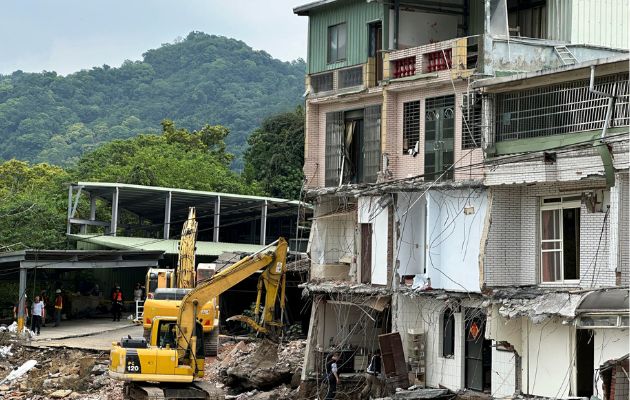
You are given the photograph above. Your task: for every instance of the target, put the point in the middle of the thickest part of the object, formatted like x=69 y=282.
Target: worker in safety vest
x=58 y=306
x=117 y=303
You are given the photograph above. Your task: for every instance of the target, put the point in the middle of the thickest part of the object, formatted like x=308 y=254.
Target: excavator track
x=195 y=390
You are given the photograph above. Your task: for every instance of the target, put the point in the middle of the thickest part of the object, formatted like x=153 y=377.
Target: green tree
x=275 y=155
x=32 y=206
x=176 y=158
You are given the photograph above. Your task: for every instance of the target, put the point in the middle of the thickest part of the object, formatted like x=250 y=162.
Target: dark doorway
x=477 y=348
x=366 y=253
x=376 y=49
x=584 y=358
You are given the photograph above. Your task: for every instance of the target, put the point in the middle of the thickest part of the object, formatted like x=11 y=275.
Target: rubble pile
x=38 y=374
x=260 y=370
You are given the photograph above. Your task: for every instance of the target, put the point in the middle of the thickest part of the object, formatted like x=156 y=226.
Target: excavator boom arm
x=273 y=264
x=186 y=259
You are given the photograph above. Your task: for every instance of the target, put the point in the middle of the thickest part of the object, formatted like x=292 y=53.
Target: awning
x=606 y=301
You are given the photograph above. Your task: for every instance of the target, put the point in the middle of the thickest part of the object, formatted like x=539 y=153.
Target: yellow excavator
x=167 y=366
x=165 y=301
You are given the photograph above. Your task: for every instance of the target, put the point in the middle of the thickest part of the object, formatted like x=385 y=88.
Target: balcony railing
x=455 y=55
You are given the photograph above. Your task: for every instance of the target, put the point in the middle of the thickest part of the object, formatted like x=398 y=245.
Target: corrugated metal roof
x=167 y=246
x=89 y=186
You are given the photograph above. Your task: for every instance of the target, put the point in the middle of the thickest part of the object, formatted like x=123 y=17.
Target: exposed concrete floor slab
x=88 y=334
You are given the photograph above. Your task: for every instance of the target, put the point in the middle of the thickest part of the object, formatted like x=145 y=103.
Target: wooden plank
x=393 y=357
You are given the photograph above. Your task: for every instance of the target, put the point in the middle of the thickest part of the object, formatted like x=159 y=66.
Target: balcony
x=454 y=58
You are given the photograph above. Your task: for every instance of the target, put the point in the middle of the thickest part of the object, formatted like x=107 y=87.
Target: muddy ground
x=257 y=370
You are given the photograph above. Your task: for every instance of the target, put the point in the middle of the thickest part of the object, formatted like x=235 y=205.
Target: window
x=411 y=127
x=322 y=82
x=560 y=239
x=448 y=333
x=337 y=43
x=439 y=137
x=471 y=125
x=350 y=77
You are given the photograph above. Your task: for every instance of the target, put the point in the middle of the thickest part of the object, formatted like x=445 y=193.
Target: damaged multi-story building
x=468 y=180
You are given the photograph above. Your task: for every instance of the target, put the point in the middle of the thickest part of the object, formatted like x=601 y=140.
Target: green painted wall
x=356 y=14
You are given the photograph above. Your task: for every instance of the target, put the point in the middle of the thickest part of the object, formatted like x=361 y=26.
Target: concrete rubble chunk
x=61 y=393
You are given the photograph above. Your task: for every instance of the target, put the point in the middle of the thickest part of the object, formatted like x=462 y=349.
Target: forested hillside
x=200 y=80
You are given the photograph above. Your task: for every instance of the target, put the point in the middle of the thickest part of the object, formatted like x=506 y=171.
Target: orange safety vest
x=59 y=303
x=117 y=296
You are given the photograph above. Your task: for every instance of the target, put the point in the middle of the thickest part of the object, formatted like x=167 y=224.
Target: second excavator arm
x=273 y=264
x=186 y=259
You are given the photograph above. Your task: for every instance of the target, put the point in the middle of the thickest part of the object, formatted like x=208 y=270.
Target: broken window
x=561 y=108
x=439 y=133
x=337 y=43
x=471 y=126
x=560 y=239
x=411 y=127
x=353 y=146
x=448 y=333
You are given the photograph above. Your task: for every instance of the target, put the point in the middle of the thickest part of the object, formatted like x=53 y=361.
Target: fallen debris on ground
x=259 y=370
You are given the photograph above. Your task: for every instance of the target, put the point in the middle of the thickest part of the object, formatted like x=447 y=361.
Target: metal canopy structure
x=25 y=260
x=612 y=300
x=168 y=207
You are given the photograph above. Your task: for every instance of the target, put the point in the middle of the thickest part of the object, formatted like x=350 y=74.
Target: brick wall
x=512 y=252
x=624 y=231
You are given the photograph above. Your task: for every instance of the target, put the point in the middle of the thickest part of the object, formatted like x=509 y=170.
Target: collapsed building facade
x=470 y=192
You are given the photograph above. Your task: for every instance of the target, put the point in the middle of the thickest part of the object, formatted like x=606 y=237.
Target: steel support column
x=167 y=215
x=114 y=222
x=22 y=300
x=70 y=190
x=217 y=219
x=263 y=224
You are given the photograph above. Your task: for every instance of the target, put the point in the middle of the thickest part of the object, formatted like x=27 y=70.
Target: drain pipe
x=603 y=149
x=611 y=100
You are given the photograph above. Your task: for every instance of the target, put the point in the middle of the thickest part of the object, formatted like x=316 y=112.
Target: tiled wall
x=423 y=315
x=512 y=252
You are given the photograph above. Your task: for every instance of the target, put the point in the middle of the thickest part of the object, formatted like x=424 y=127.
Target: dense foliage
x=202 y=79
x=177 y=158
x=33 y=198
x=275 y=155
x=33 y=203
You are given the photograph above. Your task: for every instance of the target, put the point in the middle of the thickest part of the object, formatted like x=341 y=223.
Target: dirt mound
x=260 y=370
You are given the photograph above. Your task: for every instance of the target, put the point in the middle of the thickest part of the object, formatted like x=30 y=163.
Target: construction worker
x=332 y=376
x=58 y=306
x=372 y=374
x=16 y=306
x=117 y=303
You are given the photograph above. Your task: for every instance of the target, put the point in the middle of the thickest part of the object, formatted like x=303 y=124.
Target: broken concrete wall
x=372 y=211
x=609 y=344
x=455 y=220
x=332 y=246
x=423 y=314
x=546 y=353
x=410 y=214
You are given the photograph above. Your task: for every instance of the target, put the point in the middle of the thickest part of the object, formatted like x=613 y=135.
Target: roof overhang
x=604 y=66
x=613 y=301
x=169 y=246
x=79 y=259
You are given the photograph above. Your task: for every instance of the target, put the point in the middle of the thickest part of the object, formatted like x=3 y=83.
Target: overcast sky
x=69 y=35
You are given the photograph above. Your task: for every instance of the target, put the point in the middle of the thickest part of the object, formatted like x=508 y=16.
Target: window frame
x=407 y=130
x=446 y=315
x=565 y=201
x=329 y=50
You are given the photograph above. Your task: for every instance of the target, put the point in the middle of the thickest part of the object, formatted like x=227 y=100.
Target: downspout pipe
x=603 y=150
x=611 y=100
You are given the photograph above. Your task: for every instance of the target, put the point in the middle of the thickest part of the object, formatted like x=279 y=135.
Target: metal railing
x=561 y=108
x=139 y=311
